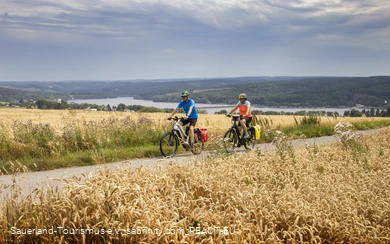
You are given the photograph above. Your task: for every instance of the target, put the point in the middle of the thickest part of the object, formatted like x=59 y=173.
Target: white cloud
x=202 y=31
x=329 y=22
x=226 y=14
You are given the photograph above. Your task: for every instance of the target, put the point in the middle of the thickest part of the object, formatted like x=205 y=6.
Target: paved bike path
x=31 y=180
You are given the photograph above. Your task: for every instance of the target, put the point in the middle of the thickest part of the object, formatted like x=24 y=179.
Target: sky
x=48 y=40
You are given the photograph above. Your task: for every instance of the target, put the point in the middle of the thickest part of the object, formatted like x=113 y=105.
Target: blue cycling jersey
x=186 y=106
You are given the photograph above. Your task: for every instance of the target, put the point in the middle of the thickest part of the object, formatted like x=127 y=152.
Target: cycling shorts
x=191 y=121
x=248 y=120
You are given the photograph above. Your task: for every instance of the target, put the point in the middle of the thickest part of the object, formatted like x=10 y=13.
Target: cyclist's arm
x=234 y=109
x=174 y=111
x=189 y=111
x=247 y=111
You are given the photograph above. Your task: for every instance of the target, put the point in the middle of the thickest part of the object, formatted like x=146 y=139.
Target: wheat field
x=47 y=139
x=316 y=194
x=217 y=124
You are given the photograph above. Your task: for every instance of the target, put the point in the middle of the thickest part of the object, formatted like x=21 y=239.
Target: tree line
x=368 y=112
x=348 y=113
x=63 y=104
x=297 y=113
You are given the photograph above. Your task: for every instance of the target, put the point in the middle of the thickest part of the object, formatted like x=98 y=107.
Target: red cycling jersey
x=244 y=108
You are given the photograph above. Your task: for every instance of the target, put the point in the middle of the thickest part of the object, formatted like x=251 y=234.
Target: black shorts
x=248 y=120
x=191 y=121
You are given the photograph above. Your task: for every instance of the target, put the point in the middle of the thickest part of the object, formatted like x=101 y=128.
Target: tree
x=353 y=113
x=383 y=113
x=48 y=104
x=150 y=110
x=40 y=103
x=64 y=104
x=223 y=111
x=121 y=107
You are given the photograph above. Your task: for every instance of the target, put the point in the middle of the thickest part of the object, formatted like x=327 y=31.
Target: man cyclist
x=191 y=116
x=245 y=113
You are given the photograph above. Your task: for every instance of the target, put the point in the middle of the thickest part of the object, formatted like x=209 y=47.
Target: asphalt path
x=30 y=181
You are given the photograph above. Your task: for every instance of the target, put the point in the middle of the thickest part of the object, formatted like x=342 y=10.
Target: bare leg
x=243 y=125
x=192 y=134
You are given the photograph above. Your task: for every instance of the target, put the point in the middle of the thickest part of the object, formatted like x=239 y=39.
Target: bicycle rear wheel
x=169 y=144
x=230 y=140
x=250 y=142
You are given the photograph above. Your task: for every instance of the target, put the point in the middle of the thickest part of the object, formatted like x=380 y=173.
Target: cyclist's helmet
x=185 y=94
x=242 y=95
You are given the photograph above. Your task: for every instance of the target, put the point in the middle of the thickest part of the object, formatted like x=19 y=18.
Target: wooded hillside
x=266 y=91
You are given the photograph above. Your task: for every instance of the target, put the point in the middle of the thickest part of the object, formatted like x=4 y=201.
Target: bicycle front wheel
x=250 y=142
x=169 y=144
x=230 y=140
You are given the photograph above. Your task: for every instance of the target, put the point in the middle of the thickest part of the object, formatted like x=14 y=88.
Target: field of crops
x=49 y=139
x=317 y=194
x=215 y=122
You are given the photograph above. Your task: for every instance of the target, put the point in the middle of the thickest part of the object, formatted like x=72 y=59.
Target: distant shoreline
x=210 y=108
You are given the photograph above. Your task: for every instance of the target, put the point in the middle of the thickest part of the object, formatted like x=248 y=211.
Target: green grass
x=85 y=158
x=317 y=130
x=309 y=131
x=312 y=127
x=365 y=125
x=38 y=147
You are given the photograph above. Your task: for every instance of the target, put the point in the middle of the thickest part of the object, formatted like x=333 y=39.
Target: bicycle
x=169 y=142
x=232 y=138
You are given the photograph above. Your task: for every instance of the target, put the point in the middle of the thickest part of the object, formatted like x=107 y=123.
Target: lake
x=210 y=108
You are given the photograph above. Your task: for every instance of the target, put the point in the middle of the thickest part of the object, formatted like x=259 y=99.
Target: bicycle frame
x=178 y=129
x=235 y=127
x=178 y=136
x=237 y=140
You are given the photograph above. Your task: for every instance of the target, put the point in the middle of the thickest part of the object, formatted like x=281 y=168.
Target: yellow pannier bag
x=257 y=132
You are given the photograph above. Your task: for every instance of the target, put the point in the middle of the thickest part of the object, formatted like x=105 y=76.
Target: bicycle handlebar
x=175 y=118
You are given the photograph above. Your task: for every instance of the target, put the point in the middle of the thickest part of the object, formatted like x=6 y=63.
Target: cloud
x=4 y=18
x=219 y=14
x=200 y=23
x=263 y=20
x=201 y=32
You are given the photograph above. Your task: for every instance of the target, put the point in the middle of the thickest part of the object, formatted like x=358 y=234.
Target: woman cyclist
x=245 y=113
